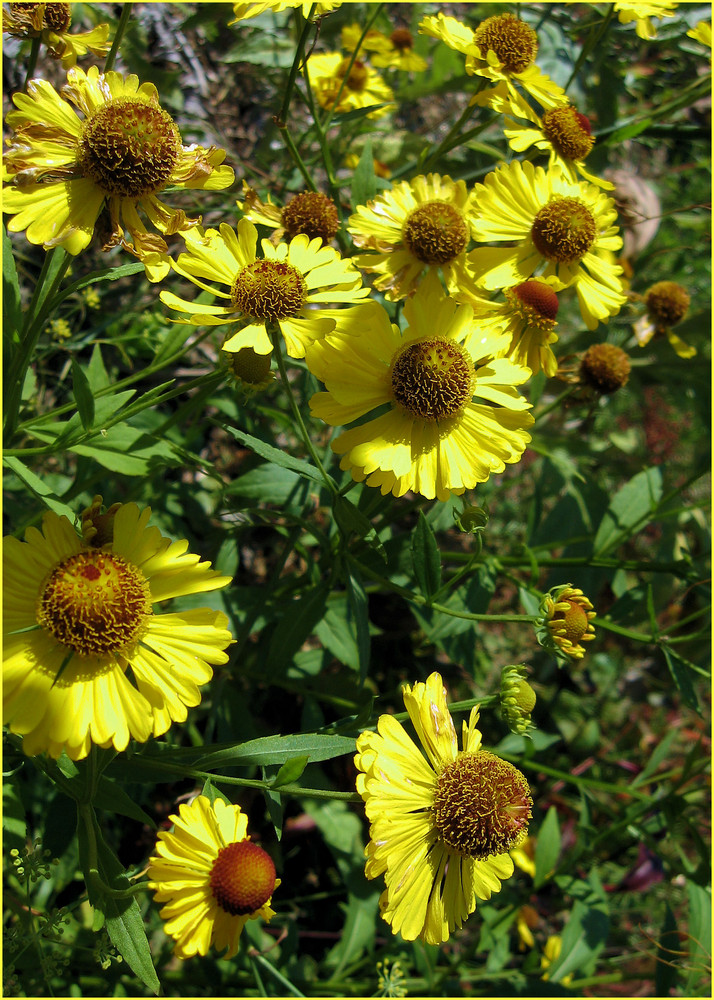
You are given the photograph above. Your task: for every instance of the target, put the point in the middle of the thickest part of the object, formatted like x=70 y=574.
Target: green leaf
x=298 y=622
x=700 y=936
x=364 y=180
x=658 y=756
x=11 y=302
x=681 y=676
x=630 y=510
x=290 y=771
x=426 y=558
x=40 y=489
x=357 y=934
x=278 y=457
x=666 y=966
x=337 y=633
x=271 y=750
x=96 y=372
x=267 y=483
x=584 y=936
x=359 y=610
x=112 y=798
x=547 y=848
x=127 y=450
x=106 y=274
x=83 y=396
x=122 y=917
x=351 y=521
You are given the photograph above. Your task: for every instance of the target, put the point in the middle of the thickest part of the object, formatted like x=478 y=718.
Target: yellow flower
x=380 y=169
x=418 y=225
x=501 y=48
x=529 y=318
x=434 y=437
x=565 y=622
x=212 y=878
x=551 y=953
x=309 y=212
x=244 y=11
x=441 y=822
x=363 y=87
x=562 y=131
x=517 y=700
x=641 y=14
x=702 y=32
x=667 y=303
x=86 y=660
x=51 y=22
x=126 y=149
x=290 y=286
x=553 y=226
x=394 y=51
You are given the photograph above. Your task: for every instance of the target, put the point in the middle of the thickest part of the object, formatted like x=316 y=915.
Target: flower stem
x=297 y=415
x=121 y=29
x=32 y=61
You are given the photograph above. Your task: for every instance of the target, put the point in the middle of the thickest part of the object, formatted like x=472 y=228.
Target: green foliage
x=341 y=594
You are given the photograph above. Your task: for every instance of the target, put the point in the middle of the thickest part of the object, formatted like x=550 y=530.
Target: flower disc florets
x=269 y=290
x=568 y=131
x=535 y=302
x=402 y=39
x=565 y=622
x=432 y=379
x=435 y=232
x=564 y=230
x=482 y=805
x=517 y=699
x=129 y=148
x=514 y=42
x=605 y=368
x=94 y=603
x=312 y=213
x=55 y=16
x=667 y=303
x=242 y=878
x=358 y=74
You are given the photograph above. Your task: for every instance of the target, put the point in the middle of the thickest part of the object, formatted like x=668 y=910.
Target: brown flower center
x=514 y=42
x=358 y=75
x=95 y=603
x=568 y=132
x=312 y=213
x=605 y=368
x=402 y=39
x=564 y=230
x=667 y=303
x=482 y=805
x=269 y=290
x=56 y=16
x=435 y=232
x=129 y=148
x=243 y=878
x=433 y=379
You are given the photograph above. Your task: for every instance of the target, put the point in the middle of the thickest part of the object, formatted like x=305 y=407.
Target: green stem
x=282 y=119
x=554 y=404
x=325 y=123
x=121 y=29
x=575 y=779
x=297 y=415
x=591 y=45
x=32 y=328
x=453 y=137
x=32 y=61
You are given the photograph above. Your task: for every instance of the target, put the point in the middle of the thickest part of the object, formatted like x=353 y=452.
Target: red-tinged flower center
x=312 y=213
x=129 y=148
x=242 y=878
x=358 y=75
x=433 y=379
x=514 y=42
x=564 y=230
x=435 y=232
x=95 y=603
x=535 y=302
x=568 y=132
x=269 y=290
x=482 y=805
